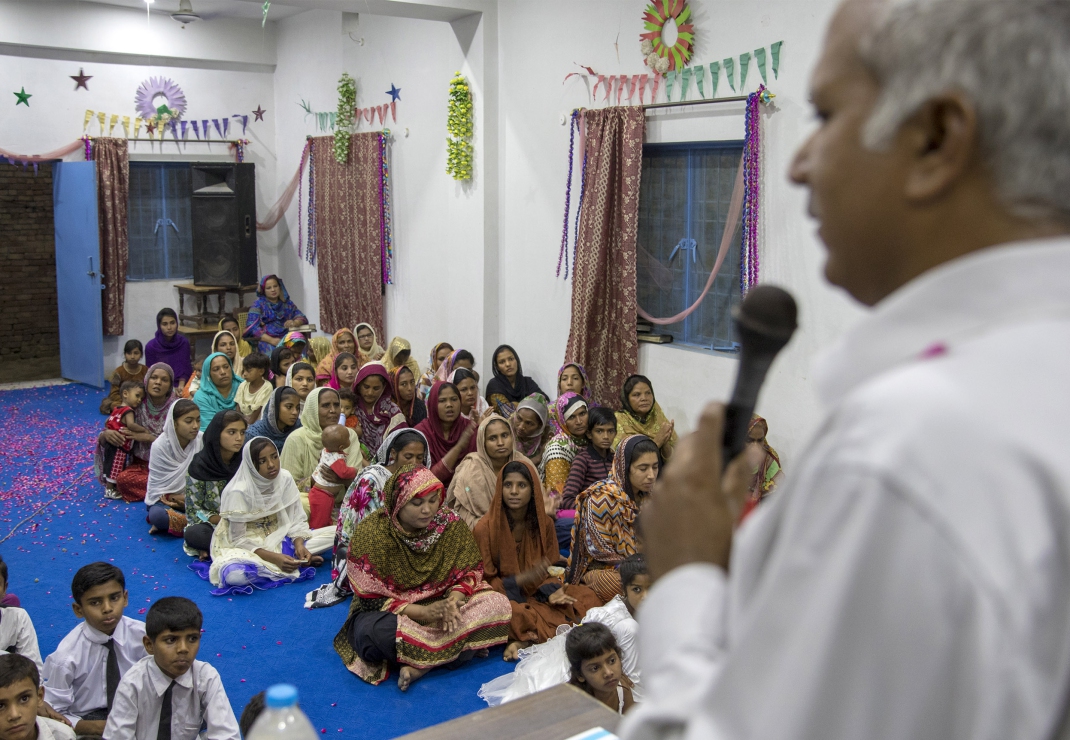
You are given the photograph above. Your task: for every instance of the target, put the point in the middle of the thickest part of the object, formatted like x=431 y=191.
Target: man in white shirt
x=912 y=580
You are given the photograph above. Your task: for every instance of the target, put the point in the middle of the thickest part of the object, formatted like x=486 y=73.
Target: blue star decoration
x=23 y=98
x=394 y=92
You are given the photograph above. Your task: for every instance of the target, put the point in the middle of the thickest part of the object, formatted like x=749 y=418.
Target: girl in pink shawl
x=344 y=373
x=378 y=413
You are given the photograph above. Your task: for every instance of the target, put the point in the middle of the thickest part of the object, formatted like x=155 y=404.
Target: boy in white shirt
x=21 y=696
x=171 y=688
x=82 y=675
x=17 y=634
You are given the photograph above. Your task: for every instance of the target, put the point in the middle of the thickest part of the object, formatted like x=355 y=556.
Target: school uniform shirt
x=17 y=634
x=76 y=675
x=50 y=729
x=912 y=578
x=197 y=699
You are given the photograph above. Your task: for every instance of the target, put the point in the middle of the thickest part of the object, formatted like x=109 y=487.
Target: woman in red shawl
x=518 y=543
x=378 y=413
x=419 y=598
x=450 y=436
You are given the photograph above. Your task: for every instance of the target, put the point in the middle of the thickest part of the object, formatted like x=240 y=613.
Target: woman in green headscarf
x=219 y=386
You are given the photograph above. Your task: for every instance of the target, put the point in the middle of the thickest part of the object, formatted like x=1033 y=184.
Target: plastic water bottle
x=282 y=718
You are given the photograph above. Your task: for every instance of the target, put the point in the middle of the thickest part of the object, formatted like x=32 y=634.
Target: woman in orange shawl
x=518 y=544
x=342 y=341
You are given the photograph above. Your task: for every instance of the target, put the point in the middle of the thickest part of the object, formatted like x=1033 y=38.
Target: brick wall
x=29 y=322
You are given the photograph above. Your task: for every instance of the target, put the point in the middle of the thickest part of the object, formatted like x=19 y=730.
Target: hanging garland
x=347 y=101
x=387 y=237
x=752 y=154
x=459 y=129
x=656 y=53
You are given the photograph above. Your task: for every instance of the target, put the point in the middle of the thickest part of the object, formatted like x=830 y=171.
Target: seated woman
x=530 y=429
x=279 y=418
x=272 y=315
x=209 y=472
x=509 y=386
x=368 y=348
x=518 y=544
x=398 y=353
x=769 y=472
x=572 y=378
x=376 y=411
x=225 y=343
x=302 y=378
x=607 y=514
x=473 y=407
x=472 y=488
x=281 y=359
x=566 y=444
x=419 y=597
x=262 y=539
x=151 y=414
x=165 y=492
x=229 y=322
x=219 y=386
x=403 y=391
x=461 y=358
x=342 y=341
x=450 y=436
x=297 y=343
x=401 y=448
x=301 y=453
x=344 y=371
x=439 y=354
x=170 y=347
x=641 y=414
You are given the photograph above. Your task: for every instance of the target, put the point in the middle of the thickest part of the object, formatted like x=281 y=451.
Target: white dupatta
x=250 y=497
x=168 y=461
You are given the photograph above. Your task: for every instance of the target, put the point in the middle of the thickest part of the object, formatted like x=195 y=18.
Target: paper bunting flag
x=137 y=127
x=174 y=129
x=654 y=92
x=643 y=80
x=244 y=122
x=744 y=63
x=184 y=125
x=196 y=129
x=394 y=110
x=632 y=86
x=621 y=82
x=715 y=76
x=204 y=128
x=100 y=119
x=670 y=79
x=700 y=79
x=225 y=122
x=113 y=122
x=369 y=114
x=88 y=117
x=218 y=130
x=126 y=126
x=730 y=72
x=759 y=58
x=601 y=80
x=685 y=82
x=774 y=51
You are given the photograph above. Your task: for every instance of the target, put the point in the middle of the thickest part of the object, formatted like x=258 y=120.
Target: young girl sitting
x=122 y=417
x=131 y=369
x=255 y=391
x=596 y=667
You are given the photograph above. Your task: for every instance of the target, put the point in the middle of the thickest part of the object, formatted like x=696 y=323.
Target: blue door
x=81 y=329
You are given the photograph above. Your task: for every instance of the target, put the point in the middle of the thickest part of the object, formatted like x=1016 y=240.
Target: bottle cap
x=280 y=696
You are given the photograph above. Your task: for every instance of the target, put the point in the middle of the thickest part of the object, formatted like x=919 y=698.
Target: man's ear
x=943 y=138
x=149 y=645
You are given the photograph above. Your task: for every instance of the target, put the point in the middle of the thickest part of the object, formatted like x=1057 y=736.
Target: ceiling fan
x=185 y=13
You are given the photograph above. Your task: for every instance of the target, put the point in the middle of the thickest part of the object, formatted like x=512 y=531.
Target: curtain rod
x=735 y=99
x=232 y=142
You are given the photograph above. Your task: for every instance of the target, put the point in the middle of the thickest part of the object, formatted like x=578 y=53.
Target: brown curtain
x=113 y=196
x=602 y=333
x=348 y=229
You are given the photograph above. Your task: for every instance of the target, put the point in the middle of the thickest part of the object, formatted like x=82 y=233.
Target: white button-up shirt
x=197 y=699
x=16 y=631
x=912 y=579
x=76 y=675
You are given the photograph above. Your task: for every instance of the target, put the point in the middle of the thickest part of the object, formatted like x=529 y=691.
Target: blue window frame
x=161 y=247
x=683 y=208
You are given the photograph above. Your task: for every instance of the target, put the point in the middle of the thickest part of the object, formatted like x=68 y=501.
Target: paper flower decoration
x=172 y=105
x=347 y=101
x=657 y=55
x=459 y=129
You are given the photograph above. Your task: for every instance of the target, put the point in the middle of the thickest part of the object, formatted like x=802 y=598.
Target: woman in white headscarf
x=263 y=539
x=169 y=458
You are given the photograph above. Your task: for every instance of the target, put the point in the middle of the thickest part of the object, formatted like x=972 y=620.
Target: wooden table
x=193 y=334
x=200 y=295
x=554 y=714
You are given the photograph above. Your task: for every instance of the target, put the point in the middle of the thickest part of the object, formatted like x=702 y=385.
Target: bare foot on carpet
x=512 y=650
x=409 y=676
x=203 y=556
x=482 y=653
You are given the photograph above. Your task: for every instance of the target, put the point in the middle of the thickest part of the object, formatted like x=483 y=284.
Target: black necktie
x=112 y=672
x=164 y=731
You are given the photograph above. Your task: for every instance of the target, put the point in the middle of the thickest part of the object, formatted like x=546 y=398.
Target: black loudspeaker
x=224 y=224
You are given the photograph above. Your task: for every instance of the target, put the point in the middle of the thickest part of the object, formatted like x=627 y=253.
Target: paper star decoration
x=394 y=92
x=259 y=113
x=81 y=79
x=23 y=98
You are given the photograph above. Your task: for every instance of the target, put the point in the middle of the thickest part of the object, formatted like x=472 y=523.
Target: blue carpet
x=46 y=442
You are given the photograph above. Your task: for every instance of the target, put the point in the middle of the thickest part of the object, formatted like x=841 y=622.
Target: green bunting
x=685 y=82
x=774 y=51
x=730 y=72
x=700 y=75
x=715 y=74
x=670 y=78
x=759 y=57
x=744 y=64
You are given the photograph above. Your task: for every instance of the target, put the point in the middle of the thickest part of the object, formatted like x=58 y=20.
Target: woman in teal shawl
x=219 y=385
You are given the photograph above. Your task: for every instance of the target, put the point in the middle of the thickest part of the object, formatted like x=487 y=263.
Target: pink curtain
x=113 y=195
x=349 y=232
x=602 y=334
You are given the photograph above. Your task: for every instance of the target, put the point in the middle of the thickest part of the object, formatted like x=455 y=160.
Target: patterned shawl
x=502 y=555
x=531 y=446
x=472 y=487
x=397 y=346
x=267 y=317
x=386 y=562
x=297 y=343
x=564 y=445
x=326 y=366
x=606 y=517
x=438 y=443
x=268 y=423
x=151 y=416
x=208 y=397
x=585 y=392
x=630 y=422
x=384 y=414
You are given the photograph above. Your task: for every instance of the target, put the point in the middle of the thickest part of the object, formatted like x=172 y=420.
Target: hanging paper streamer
x=394 y=110
x=759 y=58
x=774 y=51
x=685 y=82
x=88 y=117
x=266 y=8
x=744 y=63
x=715 y=75
x=700 y=77
x=654 y=91
x=730 y=72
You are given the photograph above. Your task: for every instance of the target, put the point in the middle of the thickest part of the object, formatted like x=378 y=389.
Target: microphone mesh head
x=768 y=310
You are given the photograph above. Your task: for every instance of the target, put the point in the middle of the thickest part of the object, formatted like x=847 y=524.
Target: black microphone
x=765 y=320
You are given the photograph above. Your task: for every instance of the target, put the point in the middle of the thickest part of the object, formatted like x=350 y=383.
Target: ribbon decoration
x=715 y=75
x=594 y=93
x=730 y=72
x=631 y=87
x=266 y=8
x=700 y=75
x=744 y=63
x=759 y=57
x=685 y=82
x=774 y=50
